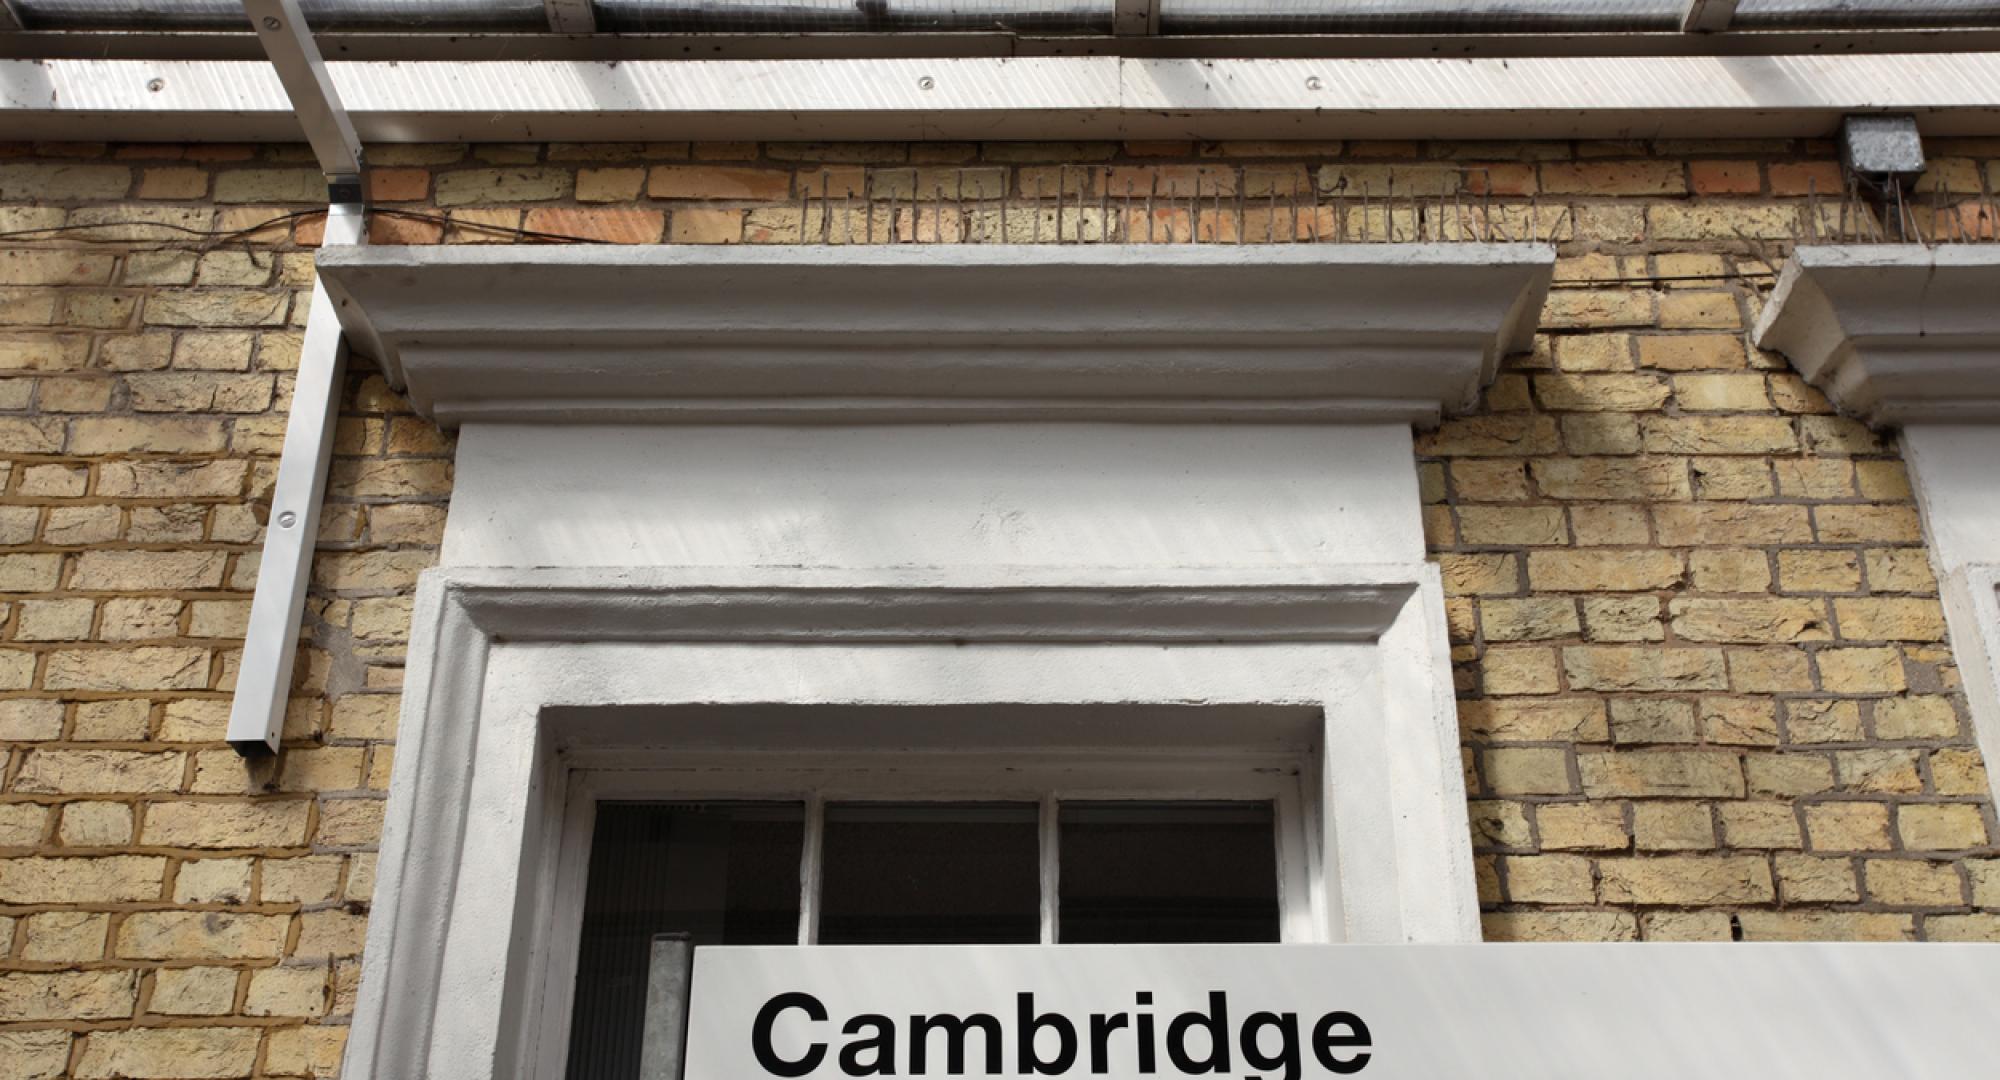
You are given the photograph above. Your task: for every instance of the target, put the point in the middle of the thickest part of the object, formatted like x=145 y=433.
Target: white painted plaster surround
x=1909 y=336
x=855 y=551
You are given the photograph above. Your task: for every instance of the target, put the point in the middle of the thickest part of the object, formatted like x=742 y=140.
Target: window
x=1027 y=855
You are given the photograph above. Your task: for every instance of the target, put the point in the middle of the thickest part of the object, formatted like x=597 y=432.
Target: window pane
x=727 y=873
x=1167 y=872
x=930 y=873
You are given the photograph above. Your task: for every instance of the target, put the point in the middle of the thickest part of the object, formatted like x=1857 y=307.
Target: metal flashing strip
x=1013 y=98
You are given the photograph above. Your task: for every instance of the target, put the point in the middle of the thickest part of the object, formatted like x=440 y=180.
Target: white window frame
x=1046 y=779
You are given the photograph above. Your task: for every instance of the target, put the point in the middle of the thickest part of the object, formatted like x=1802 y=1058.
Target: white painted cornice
x=1893 y=333
x=940 y=333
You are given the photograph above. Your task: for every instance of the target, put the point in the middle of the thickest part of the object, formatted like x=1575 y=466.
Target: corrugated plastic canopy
x=1025 y=16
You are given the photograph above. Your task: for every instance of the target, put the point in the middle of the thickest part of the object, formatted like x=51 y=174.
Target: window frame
x=1285 y=779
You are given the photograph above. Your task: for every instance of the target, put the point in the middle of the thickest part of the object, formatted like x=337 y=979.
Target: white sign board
x=1309 y=1012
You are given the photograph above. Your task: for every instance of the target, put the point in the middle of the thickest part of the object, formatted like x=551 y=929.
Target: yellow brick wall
x=1703 y=680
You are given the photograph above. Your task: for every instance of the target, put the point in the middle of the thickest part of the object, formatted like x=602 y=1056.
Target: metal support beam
x=271 y=642
x=1136 y=18
x=264 y=679
x=1075 y=97
x=294 y=56
x=571 y=16
x=1708 y=16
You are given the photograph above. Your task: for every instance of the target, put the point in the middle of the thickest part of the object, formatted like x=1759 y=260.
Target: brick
x=1860 y=671
x=1746 y=721
x=1754 y=622
x=1759 y=825
x=1603 y=570
x=1549 y=879
x=512 y=185
x=95 y=824
x=1724 y=177
x=1729 y=570
x=1534 y=619
x=194 y=991
x=1559 y=926
x=306 y=1051
x=332 y=933
x=214 y=825
x=1510 y=435
x=212 y=308
x=133 y=434
x=1512 y=526
x=1776 y=669
x=1899 y=570
x=312 y=879
x=1878 y=771
x=1915 y=718
x=29 y=573
x=1721 y=221
x=1809 y=721
x=1692 y=352
x=1623 y=668
x=616 y=225
x=64 y=937
x=1527 y=771
x=1686 y=880
x=1585 y=826
x=1614 y=618
x=1825 y=926
x=1889 y=619
x=1810 y=879
x=63 y=182
x=213 y=1053
x=1686 y=926
x=144 y=668
x=1984 y=928
x=1709 y=524
x=1661 y=773
x=1818 y=571
x=1601 y=393
x=1534 y=721
x=201 y=935
x=718 y=182
x=139 y=571
x=109 y=879
x=1815 y=478
x=1518 y=670
x=1640 y=177
x=64 y=771
x=1479 y=575
x=1717 y=434
x=1912 y=883
x=1941 y=827
x=68 y=995
x=1616 y=479
x=1848 y=826
x=1669 y=826
x=1652 y=720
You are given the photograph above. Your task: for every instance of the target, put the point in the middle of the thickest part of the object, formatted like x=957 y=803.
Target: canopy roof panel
x=1090 y=17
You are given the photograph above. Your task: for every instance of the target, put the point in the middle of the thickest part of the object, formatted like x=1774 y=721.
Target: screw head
x=926 y=83
x=1313 y=83
x=156 y=85
x=287 y=519
x=271 y=22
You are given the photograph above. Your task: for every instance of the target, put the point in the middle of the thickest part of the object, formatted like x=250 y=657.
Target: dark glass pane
x=1167 y=872
x=726 y=873
x=930 y=873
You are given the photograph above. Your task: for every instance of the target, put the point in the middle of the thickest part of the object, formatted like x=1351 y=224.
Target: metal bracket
x=571 y=16
x=1135 y=18
x=669 y=976
x=1708 y=16
x=271 y=641
x=293 y=55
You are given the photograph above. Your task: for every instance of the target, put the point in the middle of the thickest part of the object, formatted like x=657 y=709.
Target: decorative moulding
x=804 y=334
x=1896 y=333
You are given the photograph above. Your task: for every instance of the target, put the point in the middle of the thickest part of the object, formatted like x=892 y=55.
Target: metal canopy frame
x=270 y=646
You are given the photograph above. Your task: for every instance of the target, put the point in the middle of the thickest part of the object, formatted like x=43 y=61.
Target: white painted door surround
x=1141 y=493
x=1908 y=336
